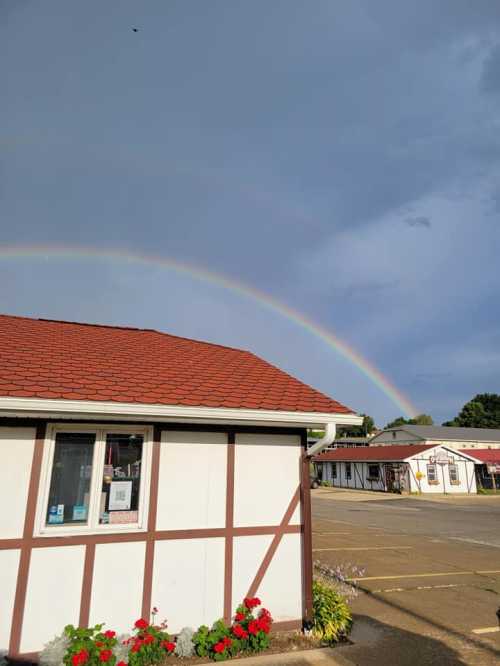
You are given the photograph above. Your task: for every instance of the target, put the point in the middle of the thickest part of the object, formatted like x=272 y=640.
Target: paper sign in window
x=120 y=495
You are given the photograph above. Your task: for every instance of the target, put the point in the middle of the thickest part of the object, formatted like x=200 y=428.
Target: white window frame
x=92 y=526
x=456 y=481
x=435 y=480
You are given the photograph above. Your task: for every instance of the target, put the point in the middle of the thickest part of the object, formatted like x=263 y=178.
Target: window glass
x=373 y=471
x=70 y=481
x=453 y=470
x=334 y=470
x=431 y=473
x=348 y=470
x=121 y=479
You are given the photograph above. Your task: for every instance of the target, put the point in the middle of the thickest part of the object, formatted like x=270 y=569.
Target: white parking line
x=486 y=630
x=319 y=550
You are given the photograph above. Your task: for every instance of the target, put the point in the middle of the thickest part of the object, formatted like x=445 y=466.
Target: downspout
x=327 y=439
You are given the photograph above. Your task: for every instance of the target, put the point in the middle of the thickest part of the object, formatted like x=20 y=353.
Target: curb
x=302 y=657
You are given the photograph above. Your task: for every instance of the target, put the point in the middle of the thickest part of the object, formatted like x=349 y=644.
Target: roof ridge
x=127 y=328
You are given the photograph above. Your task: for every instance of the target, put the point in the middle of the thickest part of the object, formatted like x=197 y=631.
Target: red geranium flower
x=149 y=639
x=109 y=634
x=141 y=624
x=253 y=628
x=219 y=647
x=99 y=644
x=137 y=645
x=251 y=603
x=121 y=663
x=79 y=658
x=227 y=641
x=239 y=632
x=264 y=625
x=168 y=645
x=239 y=617
x=105 y=655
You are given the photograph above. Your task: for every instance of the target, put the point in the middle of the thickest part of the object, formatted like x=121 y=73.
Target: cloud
x=490 y=76
x=420 y=221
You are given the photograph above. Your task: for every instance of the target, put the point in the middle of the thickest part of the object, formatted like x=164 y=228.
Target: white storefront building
x=142 y=469
x=400 y=468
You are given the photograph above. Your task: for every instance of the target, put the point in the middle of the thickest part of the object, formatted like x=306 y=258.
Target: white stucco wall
x=117 y=585
x=267 y=474
x=16 y=454
x=188 y=574
x=9 y=563
x=192 y=482
x=53 y=594
x=188 y=581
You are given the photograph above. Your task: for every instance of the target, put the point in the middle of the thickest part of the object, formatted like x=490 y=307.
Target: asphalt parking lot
x=431 y=585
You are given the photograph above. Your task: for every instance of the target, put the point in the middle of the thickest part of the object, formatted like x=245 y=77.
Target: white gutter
x=90 y=409
x=327 y=439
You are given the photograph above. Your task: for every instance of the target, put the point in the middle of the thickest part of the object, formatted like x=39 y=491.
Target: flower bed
x=149 y=644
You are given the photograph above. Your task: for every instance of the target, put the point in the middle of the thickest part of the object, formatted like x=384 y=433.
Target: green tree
x=421 y=419
x=483 y=411
x=367 y=427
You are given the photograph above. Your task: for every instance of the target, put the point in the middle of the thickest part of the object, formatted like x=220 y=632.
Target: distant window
x=393 y=434
x=348 y=470
x=334 y=470
x=453 y=472
x=432 y=474
x=373 y=472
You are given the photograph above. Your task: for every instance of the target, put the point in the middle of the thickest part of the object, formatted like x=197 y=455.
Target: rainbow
x=235 y=286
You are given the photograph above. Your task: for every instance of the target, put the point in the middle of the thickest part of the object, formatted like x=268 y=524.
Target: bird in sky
x=135 y=29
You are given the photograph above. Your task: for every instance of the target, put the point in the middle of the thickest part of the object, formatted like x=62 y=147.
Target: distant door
x=390 y=478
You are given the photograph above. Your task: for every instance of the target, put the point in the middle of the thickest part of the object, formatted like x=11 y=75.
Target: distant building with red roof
x=399 y=468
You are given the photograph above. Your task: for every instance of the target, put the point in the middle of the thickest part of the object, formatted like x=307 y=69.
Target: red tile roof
x=485 y=455
x=65 y=360
x=375 y=453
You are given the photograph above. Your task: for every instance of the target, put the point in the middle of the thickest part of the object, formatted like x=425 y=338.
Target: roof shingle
x=42 y=358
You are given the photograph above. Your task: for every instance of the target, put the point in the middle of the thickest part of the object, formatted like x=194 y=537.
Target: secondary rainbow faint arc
x=220 y=280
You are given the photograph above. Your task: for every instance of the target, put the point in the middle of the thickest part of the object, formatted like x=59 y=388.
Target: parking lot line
x=332 y=533
x=486 y=630
x=428 y=575
x=318 y=550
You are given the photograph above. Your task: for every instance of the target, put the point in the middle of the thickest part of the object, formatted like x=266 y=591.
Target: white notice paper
x=120 y=495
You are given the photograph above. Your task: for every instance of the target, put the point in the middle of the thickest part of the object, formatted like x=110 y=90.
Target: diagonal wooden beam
x=273 y=547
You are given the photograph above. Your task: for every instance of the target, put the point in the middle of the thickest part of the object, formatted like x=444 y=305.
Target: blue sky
x=342 y=156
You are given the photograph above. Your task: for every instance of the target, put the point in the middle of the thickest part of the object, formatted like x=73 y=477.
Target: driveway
x=431 y=584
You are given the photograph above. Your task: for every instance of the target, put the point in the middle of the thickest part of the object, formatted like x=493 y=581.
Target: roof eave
x=96 y=410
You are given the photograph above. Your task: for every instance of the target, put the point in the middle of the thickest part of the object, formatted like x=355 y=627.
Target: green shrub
x=326 y=484
x=332 y=616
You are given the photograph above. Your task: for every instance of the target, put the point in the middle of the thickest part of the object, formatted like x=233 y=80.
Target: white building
x=453 y=438
x=399 y=468
x=142 y=469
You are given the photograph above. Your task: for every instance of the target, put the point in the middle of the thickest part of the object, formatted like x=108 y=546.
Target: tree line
x=483 y=411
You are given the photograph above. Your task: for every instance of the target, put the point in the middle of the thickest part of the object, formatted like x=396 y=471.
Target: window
x=96 y=478
x=453 y=472
x=393 y=434
x=348 y=471
x=432 y=474
x=334 y=470
x=373 y=472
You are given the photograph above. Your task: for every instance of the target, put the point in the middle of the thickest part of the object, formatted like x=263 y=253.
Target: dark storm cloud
x=490 y=77
x=246 y=137
x=420 y=221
